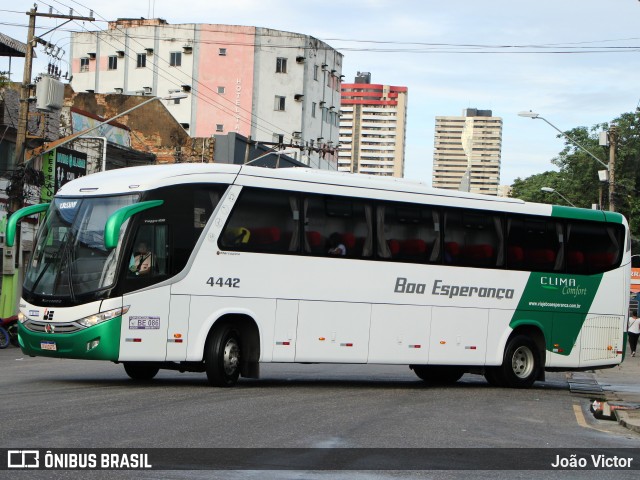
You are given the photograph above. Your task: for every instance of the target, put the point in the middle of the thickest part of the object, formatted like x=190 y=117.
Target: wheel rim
x=231 y=359
x=522 y=362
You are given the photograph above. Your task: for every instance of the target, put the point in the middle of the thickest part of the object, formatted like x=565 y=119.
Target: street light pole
x=553 y=190
x=613 y=137
x=609 y=167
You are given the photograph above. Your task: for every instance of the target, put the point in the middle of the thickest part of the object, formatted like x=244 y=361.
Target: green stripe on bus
x=558 y=305
x=74 y=345
x=559 y=211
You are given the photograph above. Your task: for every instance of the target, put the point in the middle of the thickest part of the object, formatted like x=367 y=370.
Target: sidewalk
x=621 y=388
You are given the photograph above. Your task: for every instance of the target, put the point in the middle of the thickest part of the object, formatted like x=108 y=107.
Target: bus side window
x=593 y=248
x=342 y=220
x=473 y=239
x=263 y=220
x=407 y=233
x=535 y=244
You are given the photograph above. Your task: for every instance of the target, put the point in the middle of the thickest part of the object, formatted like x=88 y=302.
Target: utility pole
x=10 y=289
x=613 y=137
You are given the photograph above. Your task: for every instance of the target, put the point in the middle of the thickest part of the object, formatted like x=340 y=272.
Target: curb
x=629 y=419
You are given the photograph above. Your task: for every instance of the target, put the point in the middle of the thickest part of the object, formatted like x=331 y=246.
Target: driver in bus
x=141 y=262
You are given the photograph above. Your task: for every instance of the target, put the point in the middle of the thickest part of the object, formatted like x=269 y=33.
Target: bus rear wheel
x=141 y=371
x=521 y=365
x=222 y=357
x=438 y=375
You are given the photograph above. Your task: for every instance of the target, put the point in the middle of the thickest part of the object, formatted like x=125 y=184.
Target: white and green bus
x=245 y=265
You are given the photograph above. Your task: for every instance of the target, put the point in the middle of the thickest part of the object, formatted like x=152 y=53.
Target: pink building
x=270 y=85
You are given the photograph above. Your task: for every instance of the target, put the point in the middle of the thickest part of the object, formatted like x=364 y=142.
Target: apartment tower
x=467 y=152
x=373 y=121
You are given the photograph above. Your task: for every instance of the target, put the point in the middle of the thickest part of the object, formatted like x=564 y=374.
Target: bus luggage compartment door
x=333 y=332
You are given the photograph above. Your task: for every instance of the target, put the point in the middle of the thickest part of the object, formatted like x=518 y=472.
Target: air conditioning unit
x=149 y=51
x=296 y=135
x=187 y=49
x=298 y=97
x=120 y=53
x=91 y=55
x=299 y=59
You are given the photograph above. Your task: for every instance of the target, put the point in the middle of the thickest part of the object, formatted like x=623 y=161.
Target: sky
x=575 y=62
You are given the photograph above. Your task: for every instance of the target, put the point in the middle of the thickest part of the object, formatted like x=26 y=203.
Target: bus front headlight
x=92 y=320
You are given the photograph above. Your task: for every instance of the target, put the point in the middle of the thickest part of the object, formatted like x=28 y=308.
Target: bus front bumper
x=100 y=342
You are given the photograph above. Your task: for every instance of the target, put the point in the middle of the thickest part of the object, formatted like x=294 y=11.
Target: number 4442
x=224 y=282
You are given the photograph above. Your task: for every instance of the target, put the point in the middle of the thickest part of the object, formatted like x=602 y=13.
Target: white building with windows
x=373 y=121
x=467 y=152
x=269 y=85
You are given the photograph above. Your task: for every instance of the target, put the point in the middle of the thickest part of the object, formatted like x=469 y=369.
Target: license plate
x=48 y=346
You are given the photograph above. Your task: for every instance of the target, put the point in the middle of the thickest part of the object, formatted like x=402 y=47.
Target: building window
x=313 y=109
x=222 y=52
x=316 y=69
x=219 y=127
x=141 y=61
x=113 y=62
x=220 y=90
x=281 y=65
x=279 y=105
x=84 y=64
x=278 y=138
x=176 y=59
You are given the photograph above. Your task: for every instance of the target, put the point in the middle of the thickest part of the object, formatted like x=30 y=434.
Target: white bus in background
x=239 y=273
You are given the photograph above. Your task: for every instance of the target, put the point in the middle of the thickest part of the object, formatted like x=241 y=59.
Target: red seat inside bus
x=575 y=258
x=599 y=260
x=540 y=257
x=264 y=236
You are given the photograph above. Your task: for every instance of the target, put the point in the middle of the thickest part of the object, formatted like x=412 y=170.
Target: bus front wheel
x=521 y=365
x=140 y=371
x=222 y=357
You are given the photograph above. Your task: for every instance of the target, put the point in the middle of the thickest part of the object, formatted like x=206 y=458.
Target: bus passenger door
x=333 y=332
x=458 y=336
x=144 y=327
x=284 y=334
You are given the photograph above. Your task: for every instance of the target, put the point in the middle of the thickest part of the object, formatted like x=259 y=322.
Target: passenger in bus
x=141 y=263
x=336 y=247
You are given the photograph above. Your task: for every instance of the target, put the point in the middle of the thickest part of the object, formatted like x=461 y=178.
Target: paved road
x=51 y=403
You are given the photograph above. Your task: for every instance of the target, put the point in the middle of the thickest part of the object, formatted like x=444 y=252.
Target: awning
x=10 y=47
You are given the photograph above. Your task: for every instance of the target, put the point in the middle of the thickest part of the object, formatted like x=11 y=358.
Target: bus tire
x=141 y=371
x=438 y=375
x=521 y=364
x=222 y=357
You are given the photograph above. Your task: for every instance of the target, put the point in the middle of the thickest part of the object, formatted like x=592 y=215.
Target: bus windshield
x=70 y=258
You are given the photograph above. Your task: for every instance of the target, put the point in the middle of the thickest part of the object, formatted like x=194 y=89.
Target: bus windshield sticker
x=144 y=323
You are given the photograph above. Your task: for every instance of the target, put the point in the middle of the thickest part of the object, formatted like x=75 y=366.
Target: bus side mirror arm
x=12 y=223
x=117 y=218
